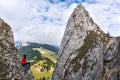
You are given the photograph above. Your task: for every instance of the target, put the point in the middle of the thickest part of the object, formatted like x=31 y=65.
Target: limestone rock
x=10 y=66
x=112 y=60
x=84 y=50
x=81 y=51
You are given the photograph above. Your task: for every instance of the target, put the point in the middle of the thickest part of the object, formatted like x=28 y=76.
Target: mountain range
x=42 y=57
x=20 y=44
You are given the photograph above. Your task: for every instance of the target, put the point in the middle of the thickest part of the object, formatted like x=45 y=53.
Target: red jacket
x=23 y=60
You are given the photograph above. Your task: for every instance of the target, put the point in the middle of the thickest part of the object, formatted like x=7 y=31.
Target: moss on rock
x=3 y=70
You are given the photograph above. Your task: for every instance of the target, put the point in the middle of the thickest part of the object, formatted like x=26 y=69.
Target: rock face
x=112 y=60
x=10 y=67
x=85 y=52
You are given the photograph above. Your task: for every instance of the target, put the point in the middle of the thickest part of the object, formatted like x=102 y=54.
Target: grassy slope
x=47 y=54
x=27 y=50
x=39 y=75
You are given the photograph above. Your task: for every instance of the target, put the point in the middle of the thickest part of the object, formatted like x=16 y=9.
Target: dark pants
x=26 y=66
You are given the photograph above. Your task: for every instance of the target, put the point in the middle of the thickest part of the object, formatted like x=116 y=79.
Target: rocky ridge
x=10 y=67
x=86 y=52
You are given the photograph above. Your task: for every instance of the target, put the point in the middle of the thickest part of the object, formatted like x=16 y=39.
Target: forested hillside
x=41 y=56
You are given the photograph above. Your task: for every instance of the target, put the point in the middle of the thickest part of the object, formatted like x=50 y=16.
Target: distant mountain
x=20 y=44
x=45 y=46
x=27 y=48
x=42 y=57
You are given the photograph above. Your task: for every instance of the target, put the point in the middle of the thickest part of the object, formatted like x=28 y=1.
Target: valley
x=41 y=57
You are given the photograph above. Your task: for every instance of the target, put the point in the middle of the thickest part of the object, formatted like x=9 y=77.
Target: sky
x=44 y=21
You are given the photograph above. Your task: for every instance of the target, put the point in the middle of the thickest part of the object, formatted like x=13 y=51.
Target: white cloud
x=106 y=14
x=36 y=20
x=44 y=22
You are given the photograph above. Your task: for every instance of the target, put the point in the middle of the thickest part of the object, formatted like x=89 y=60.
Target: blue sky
x=44 y=21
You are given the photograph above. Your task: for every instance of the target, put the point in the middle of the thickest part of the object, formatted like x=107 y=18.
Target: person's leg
x=28 y=65
x=25 y=68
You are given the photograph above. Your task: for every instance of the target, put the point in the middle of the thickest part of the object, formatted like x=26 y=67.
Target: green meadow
x=43 y=69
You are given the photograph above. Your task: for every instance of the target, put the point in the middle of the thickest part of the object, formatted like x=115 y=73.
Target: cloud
x=44 y=21
x=36 y=20
x=106 y=15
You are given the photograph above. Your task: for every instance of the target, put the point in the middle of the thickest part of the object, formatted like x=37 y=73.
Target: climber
x=25 y=64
